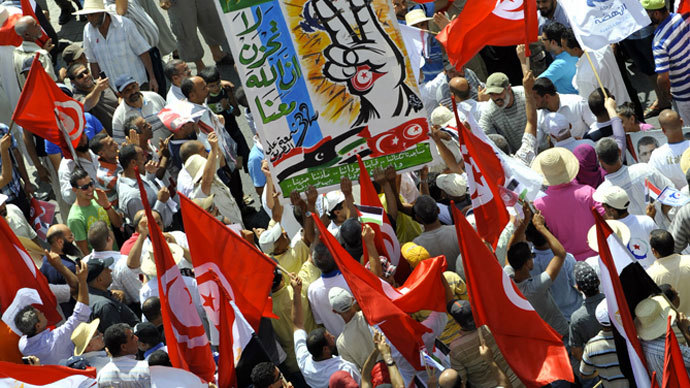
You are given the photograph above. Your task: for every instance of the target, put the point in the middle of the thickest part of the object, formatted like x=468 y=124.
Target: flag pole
x=596 y=74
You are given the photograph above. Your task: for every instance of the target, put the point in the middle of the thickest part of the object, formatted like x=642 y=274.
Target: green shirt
x=81 y=218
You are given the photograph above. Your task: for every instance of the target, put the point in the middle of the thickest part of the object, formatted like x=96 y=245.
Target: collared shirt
x=143 y=22
x=118 y=53
x=567 y=210
x=583 y=322
x=600 y=356
x=654 y=351
x=670 y=46
x=174 y=95
x=558 y=16
x=507 y=121
x=576 y=111
x=561 y=72
x=28 y=50
x=67 y=166
x=106 y=177
x=631 y=179
x=125 y=372
x=18 y=223
x=152 y=104
x=567 y=298
x=129 y=198
x=109 y=310
x=605 y=63
x=317 y=373
x=674 y=270
x=51 y=346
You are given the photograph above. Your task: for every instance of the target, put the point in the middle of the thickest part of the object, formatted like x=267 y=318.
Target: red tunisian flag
x=488 y=22
x=188 y=346
x=387 y=306
x=675 y=375
x=46 y=111
x=20 y=375
x=484 y=176
x=8 y=37
x=684 y=6
x=546 y=359
x=386 y=240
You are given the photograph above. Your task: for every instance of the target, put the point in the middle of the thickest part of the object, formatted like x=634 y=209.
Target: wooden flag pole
x=596 y=74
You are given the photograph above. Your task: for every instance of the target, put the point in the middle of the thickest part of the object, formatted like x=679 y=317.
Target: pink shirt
x=567 y=211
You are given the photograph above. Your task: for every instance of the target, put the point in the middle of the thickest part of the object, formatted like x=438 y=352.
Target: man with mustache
x=137 y=103
x=61 y=242
x=505 y=113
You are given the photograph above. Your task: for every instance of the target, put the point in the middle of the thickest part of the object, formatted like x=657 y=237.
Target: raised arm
x=556 y=263
x=297 y=315
x=55 y=260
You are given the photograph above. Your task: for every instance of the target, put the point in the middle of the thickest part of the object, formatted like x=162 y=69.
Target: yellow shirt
x=452 y=329
x=283 y=327
x=294 y=257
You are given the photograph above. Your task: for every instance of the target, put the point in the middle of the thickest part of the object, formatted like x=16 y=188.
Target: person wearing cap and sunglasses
x=95 y=94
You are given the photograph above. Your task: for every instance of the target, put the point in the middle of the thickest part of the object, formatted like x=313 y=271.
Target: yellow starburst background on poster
x=341 y=107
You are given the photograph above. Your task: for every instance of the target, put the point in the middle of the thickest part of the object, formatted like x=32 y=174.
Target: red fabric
x=247 y=270
x=41 y=375
x=188 y=346
x=684 y=6
x=547 y=359
x=38 y=102
x=127 y=245
x=9 y=345
x=19 y=271
x=389 y=312
x=675 y=375
x=480 y=24
x=386 y=240
x=655 y=384
x=484 y=175
x=226 y=365
x=8 y=37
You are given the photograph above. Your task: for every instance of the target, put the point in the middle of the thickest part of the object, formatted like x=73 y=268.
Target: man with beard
x=86 y=159
x=97 y=97
x=505 y=114
x=137 y=103
x=88 y=209
x=61 y=242
x=113 y=45
x=550 y=11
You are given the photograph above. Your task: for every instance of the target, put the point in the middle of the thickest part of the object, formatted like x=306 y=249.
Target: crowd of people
x=548 y=113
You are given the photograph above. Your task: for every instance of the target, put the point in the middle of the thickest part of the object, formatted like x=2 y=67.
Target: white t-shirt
x=318 y=373
x=666 y=159
x=640 y=227
x=321 y=308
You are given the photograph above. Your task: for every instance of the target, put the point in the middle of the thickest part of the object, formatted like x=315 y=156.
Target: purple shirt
x=567 y=211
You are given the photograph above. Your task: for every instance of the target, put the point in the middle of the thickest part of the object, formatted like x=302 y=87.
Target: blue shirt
x=567 y=298
x=92 y=127
x=256 y=155
x=561 y=72
x=433 y=65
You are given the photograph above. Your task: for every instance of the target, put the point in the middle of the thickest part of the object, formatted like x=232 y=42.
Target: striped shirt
x=600 y=356
x=670 y=47
x=507 y=121
x=654 y=352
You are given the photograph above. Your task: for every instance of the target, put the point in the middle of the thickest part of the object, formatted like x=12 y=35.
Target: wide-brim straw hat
x=81 y=336
x=557 y=165
x=620 y=229
x=91 y=6
x=148 y=264
x=651 y=317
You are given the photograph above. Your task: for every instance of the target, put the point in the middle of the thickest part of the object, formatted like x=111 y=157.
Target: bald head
x=670 y=120
x=189 y=148
x=27 y=28
x=460 y=88
x=449 y=379
x=56 y=232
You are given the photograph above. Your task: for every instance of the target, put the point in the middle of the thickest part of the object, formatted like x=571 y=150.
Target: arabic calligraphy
x=619 y=11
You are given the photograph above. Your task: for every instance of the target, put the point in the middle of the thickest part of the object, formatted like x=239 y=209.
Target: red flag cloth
x=386 y=241
x=484 y=176
x=20 y=273
x=188 y=346
x=654 y=383
x=246 y=271
x=42 y=213
x=487 y=22
x=45 y=374
x=675 y=375
x=546 y=359
x=40 y=101
x=381 y=302
x=684 y=6
x=8 y=37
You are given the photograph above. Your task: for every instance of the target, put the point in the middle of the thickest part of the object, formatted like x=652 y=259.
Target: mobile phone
x=101 y=75
x=26 y=360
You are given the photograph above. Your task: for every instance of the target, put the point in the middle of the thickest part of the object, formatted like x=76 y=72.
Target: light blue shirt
x=567 y=298
x=51 y=346
x=561 y=72
x=130 y=198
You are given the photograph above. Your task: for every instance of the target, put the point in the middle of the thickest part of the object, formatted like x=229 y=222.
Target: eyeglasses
x=86 y=186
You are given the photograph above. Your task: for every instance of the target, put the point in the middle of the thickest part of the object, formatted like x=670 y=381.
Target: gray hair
x=608 y=151
x=26 y=320
x=22 y=25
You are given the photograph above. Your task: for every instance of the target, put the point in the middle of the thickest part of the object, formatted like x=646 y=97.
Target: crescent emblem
x=509 y=9
x=516 y=299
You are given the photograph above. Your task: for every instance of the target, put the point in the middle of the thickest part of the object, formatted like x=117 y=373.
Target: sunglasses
x=86 y=186
x=82 y=74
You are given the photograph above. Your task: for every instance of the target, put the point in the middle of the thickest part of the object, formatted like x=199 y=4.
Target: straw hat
x=81 y=336
x=652 y=317
x=91 y=6
x=685 y=161
x=443 y=117
x=416 y=16
x=557 y=165
x=620 y=229
x=148 y=264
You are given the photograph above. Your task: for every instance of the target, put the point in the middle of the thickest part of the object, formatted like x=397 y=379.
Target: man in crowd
x=666 y=158
x=103 y=303
x=95 y=94
x=123 y=369
x=137 y=103
x=505 y=114
x=573 y=107
x=669 y=267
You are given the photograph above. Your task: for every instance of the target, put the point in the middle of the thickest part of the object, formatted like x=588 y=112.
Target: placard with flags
x=598 y=23
x=44 y=110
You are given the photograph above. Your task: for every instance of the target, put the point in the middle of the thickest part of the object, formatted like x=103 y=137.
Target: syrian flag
x=625 y=283
x=389 y=307
x=484 y=176
x=55 y=376
x=188 y=346
x=387 y=243
x=547 y=359
x=675 y=373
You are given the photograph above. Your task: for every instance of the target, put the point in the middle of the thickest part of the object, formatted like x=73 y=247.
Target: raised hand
x=297 y=201
x=163 y=194
x=102 y=198
x=346 y=186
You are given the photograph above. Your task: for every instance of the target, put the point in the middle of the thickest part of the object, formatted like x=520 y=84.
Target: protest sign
x=327 y=81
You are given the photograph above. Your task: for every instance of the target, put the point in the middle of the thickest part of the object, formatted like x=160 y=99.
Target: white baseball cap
x=613 y=196
x=556 y=124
